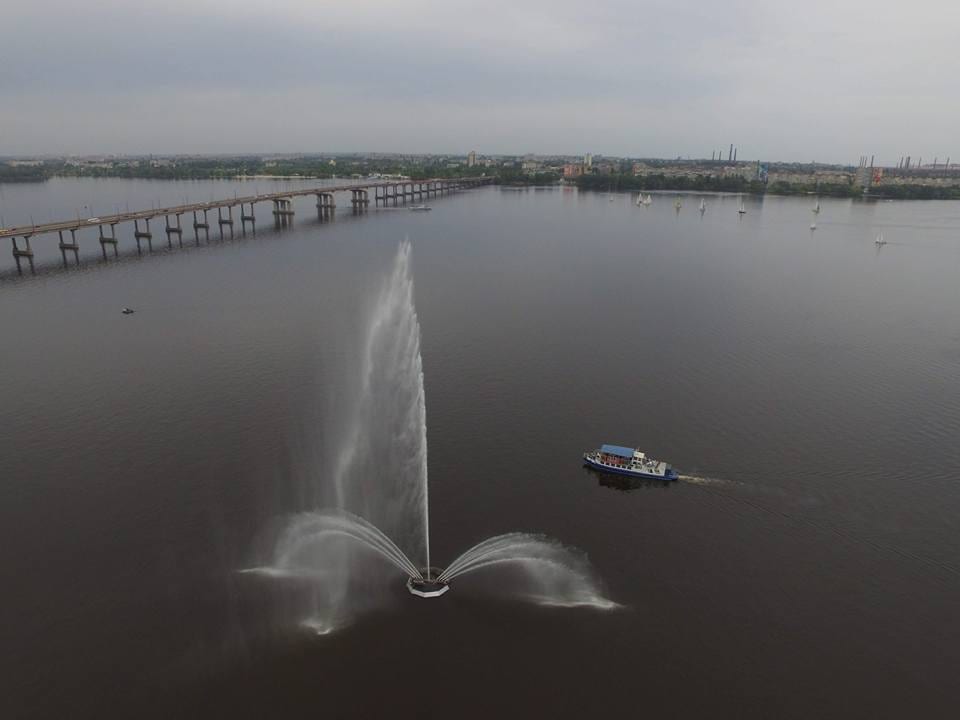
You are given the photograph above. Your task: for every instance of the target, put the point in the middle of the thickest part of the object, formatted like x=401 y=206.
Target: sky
x=818 y=80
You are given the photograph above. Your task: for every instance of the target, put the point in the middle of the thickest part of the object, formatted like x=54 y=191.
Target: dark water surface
x=807 y=384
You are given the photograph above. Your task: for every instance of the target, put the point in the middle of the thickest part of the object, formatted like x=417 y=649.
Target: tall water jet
x=380 y=520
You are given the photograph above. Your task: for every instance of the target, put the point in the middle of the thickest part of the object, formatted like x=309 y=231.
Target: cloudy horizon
x=823 y=82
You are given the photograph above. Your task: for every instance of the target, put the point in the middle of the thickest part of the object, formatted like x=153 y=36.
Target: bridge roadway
x=385 y=191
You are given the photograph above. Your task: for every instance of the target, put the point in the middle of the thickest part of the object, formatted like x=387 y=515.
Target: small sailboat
x=648 y=199
x=703 y=206
x=640 y=200
x=879 y=242
x=677 y=205
x=813 y=225
x=816 y=208
x=742 y=210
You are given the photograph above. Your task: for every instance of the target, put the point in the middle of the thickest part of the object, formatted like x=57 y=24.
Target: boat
x=640 y=202
x=879 y=241
x=420 y=208
x=127 y=311
x=628 y=461
x=678 y=204
x=816 y=208
x=703 y=206
x=813 y=226
x=742 y=210
x=647 y=200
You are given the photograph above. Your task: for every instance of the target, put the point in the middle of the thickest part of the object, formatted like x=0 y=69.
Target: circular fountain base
x=427 y=588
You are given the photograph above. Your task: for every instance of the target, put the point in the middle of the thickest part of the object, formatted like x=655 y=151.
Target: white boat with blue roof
x=629 y=461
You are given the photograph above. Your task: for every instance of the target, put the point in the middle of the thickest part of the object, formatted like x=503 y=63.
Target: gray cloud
x=816 y=80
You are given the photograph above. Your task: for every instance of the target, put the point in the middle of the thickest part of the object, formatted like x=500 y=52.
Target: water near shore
x=807 y=385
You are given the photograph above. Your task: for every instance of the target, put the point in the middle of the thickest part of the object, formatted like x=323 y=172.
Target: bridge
x=385 y=192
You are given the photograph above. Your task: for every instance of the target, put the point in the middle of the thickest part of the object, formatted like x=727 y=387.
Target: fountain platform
x=427 y=588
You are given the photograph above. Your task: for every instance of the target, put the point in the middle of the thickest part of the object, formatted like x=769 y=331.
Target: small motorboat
x=420 y=208
x=127 y=311
x=879 y=242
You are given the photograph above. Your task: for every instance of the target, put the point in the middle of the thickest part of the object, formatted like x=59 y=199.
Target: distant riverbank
x=740 y=185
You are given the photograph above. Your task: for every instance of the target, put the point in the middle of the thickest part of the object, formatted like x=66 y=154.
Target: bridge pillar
x=19 y=252
x=173 y=230
x=72 y=245
x=283 y=212
x=326 y=206
x=244 y=218
x=144 y=234
x=221 y=220
x=108 y=240
x=359 y=200
x=197 y=226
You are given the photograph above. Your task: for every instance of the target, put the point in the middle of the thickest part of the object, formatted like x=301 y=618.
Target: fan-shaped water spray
x=380 y=488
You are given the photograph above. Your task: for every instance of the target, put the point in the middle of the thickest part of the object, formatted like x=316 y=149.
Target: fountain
x=380 y=490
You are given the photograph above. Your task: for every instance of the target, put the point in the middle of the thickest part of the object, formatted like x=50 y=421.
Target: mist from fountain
x=556 y=575
x=379 y=488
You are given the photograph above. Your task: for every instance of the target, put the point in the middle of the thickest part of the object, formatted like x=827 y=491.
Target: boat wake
x=708 y=481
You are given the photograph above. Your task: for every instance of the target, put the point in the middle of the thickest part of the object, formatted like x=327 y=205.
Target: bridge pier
x=221 y=220
x=197 y=226
x=251 y=218
x=360 y=200
x=326 y=206
x=283 y=212
x=108 y=240
x=144 y=234
x=72 y=245
x=173 y=230
x=19 y=252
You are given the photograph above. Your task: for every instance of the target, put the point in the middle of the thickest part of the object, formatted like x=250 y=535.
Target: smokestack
x=871 y=160
x=730 y=154
x=735 y=154
x=713 y=156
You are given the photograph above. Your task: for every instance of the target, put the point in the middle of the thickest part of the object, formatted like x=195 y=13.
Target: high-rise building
x=588 y=161
x=471 y=158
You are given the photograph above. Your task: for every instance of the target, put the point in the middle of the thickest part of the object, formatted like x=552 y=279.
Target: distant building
x=588 y=161
x=471 y=158
x=572 y=170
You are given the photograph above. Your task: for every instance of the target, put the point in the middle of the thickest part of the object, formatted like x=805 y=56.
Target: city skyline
x=820 y=82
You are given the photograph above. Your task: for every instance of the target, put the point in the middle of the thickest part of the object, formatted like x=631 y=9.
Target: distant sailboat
x=678 y=204
x=648 y=199
x=640 y=200
x=742 y=210
x=879 y=241
x=816 y=208
x=703 y=206
x=813 y=225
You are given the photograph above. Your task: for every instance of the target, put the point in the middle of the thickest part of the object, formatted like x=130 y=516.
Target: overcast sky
x=825 y=80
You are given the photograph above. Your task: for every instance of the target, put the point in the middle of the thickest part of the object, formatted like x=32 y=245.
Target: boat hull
x=670 y=475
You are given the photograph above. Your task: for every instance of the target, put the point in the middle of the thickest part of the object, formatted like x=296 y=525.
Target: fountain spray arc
x=380 y=488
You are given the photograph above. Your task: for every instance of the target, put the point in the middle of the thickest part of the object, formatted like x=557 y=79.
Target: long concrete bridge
x=385 y=192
